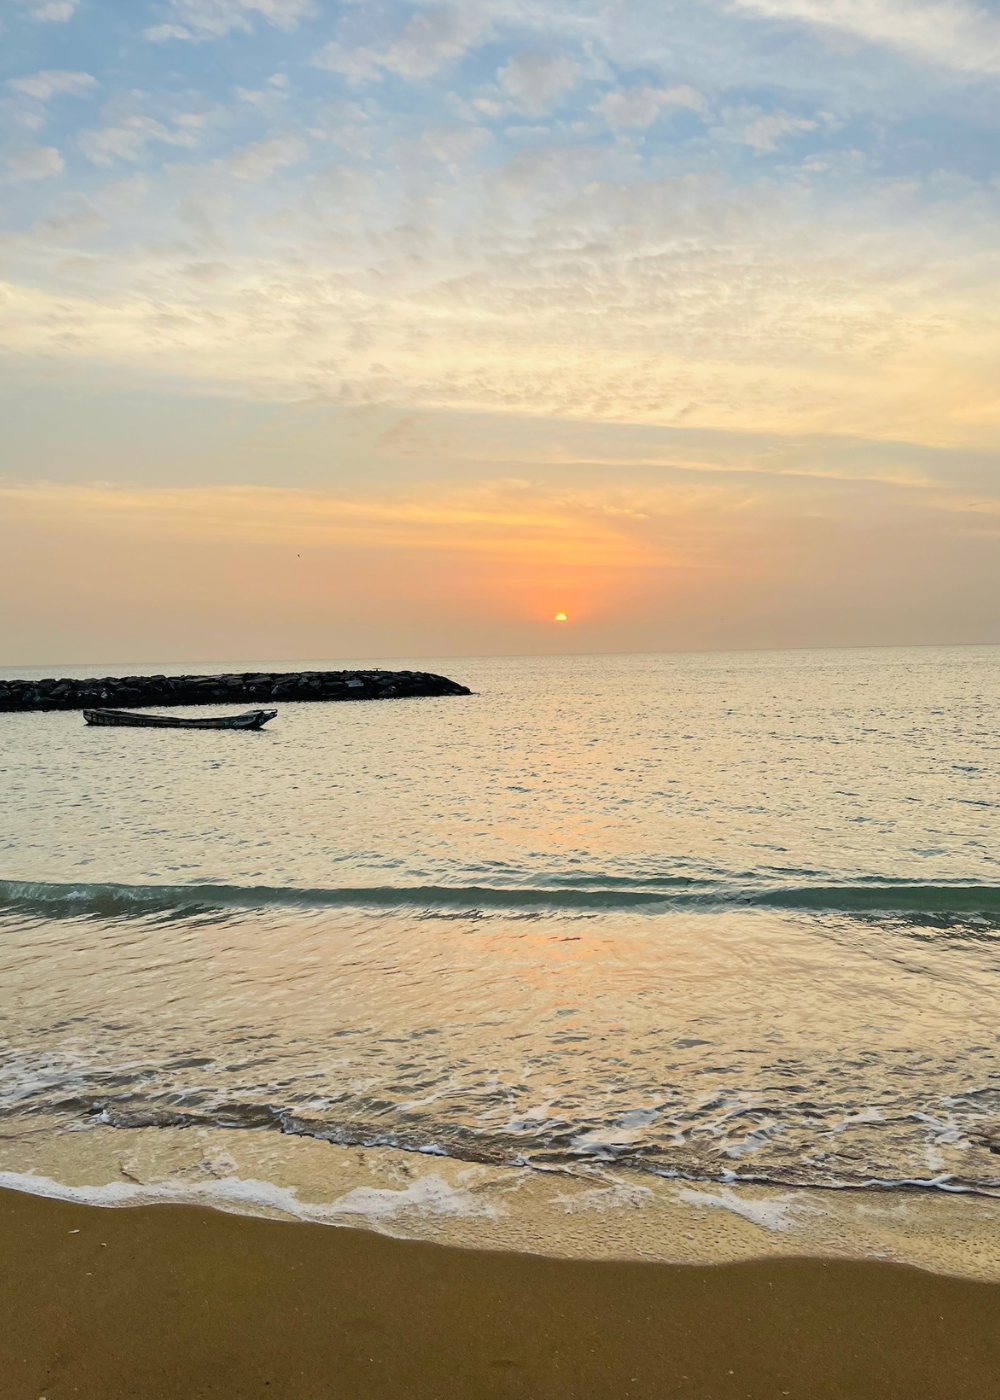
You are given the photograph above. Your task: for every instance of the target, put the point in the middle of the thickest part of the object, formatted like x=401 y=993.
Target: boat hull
x=252 y=719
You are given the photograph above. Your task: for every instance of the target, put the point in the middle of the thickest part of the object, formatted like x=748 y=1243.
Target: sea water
x=729 y=917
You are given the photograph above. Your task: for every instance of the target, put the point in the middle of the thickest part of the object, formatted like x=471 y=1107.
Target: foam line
x=430 y=1195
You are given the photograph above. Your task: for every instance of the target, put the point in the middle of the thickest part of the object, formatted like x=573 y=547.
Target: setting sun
x=560 y=617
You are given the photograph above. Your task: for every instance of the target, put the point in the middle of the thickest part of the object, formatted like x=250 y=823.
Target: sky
x=396 y=328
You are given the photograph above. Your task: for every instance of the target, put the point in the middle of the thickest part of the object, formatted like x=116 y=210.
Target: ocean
x=699 y=918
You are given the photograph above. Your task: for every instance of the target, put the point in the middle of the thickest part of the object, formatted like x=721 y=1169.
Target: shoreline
x=176 y=1302
x=584 y=1213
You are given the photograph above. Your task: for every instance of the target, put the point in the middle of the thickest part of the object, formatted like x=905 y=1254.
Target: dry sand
x=228 y=1272
x=184 y=1302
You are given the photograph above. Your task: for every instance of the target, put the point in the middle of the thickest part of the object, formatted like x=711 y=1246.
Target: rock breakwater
x=134 y=692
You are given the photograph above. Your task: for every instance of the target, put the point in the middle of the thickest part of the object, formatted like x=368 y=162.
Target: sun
x=560 y=617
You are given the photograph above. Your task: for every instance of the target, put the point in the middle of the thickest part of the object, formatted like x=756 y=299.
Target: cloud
x=435 y=37
x=682 y=301
x=34 y=163
x=432 y=38
x=67 y=228
x=762 y=131
x=128 y=139
x=160 y=33
x=639 y=107
x=53 y=82
x=263 y=158
x=30 y=94
x=561 y=278
x=454 y=146
x=51 y=11
x=211 y=19
x=535 y=80
x=270 y=97
x=358 y=65
x=946 y=33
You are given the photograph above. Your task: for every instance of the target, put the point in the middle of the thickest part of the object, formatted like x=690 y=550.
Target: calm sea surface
x=719 y=916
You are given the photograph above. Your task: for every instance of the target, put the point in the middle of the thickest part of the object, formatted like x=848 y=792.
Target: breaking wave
x=600 y=894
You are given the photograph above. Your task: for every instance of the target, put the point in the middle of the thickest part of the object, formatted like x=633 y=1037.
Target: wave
x=601 y=894
x=888 y=899
x=856 y=1173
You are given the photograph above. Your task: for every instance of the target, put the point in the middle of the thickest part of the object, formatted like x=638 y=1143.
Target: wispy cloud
x=939 y=32
x=535 y=80
x=31 y=162
x=762 y=131
x=50 y=11
x=677 y=301
x=638 y=107
x=55 y=82
x=211 y=19
x=429 y=40
x=129 y=138
x=508 y=520
x=263 y=158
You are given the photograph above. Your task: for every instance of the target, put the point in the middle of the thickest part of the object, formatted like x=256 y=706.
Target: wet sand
x=184 y=1302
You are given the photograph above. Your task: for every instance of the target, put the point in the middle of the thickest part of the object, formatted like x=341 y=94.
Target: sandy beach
x=177 y=1302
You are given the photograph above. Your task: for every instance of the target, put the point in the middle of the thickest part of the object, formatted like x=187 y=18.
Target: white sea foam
x=427 y=1195
x=602 y=1198
x=781 y=1213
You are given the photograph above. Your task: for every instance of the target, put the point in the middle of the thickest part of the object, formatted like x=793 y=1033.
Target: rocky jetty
x=133 y=692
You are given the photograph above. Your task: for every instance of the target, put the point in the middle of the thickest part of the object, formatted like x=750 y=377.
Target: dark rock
x=136 y=691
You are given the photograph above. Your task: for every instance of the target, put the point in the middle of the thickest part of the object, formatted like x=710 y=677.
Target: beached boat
x=252 y=719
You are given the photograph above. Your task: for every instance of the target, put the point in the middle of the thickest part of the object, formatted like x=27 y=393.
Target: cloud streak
x=129 y=139
x=945 y=33
x=263 y=158
x=510 y=522
x=213 y=19
x=427 y=42
x=50 y=11
x=32 y=162
x=51 y=83
x=639 y=107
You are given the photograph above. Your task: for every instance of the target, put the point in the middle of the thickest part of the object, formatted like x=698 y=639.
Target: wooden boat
x=252 y=719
